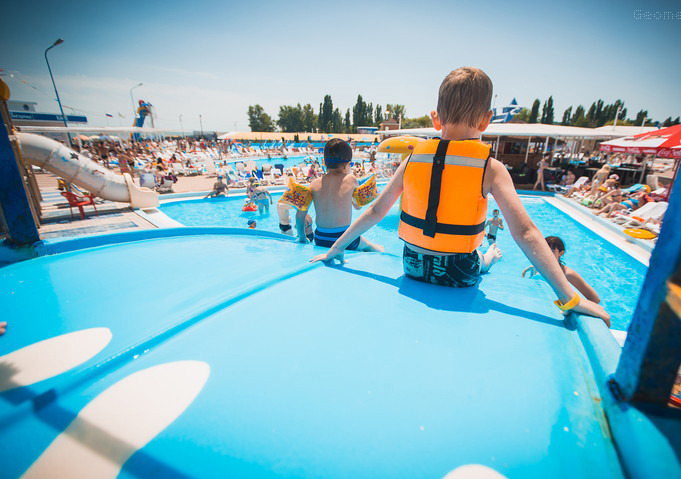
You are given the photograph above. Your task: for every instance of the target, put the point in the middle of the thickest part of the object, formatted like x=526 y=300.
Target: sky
x=212 y=59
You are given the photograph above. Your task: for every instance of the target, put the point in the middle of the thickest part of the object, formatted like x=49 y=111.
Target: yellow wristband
x=569 y=305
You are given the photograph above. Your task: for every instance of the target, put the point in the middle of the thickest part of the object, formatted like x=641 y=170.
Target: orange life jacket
x=443 y=207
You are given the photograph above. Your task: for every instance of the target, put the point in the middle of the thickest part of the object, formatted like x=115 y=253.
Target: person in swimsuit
x=631 y=204
x=540 y=174
x=495 y=223
x=599 y=178
x=332 y=198
x=219 y=189
x=558 y=249
x=262 y=198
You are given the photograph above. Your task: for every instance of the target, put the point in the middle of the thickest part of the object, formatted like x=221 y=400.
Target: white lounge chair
x=655 y=212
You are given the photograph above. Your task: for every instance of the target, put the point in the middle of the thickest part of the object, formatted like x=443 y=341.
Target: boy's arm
x=531 y=241
x=501 y=224
x=374 y=213
x=300 y=225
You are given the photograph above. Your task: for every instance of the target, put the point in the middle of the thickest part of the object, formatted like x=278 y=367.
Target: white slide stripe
x=474 y=471
x=120 y=421
x=51 y=357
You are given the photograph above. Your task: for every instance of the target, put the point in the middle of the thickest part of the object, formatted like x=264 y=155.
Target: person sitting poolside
x=615 y=195
x=219 y=189
x=332 y=199
x=558 y=249
x=442 y=234
x=600 y=177
x=631 y=204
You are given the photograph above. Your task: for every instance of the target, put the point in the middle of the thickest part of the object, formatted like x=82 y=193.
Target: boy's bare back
x=332 y=196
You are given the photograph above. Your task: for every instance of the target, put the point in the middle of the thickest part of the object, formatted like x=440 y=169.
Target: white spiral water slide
x=84 y=172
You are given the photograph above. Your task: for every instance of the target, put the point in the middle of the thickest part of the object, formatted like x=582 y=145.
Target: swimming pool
x=615 y=275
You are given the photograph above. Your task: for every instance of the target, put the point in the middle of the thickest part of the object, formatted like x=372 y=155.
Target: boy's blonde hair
x=465 y=97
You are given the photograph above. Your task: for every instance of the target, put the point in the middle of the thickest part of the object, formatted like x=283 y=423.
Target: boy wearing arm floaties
x=332 y=196
x=444 y=205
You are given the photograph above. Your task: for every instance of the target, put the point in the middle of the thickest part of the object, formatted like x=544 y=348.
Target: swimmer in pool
x=285 y=222
x=495 y=223
x=262 y=198
x=219 y=189
x=3 y=327
x=332 y=199
x=558 y=249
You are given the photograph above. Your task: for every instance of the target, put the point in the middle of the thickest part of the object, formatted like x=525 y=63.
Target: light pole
x=619 y=109
x=201 y=123
x=133 y=102
x=59 y=41
x=182 y=126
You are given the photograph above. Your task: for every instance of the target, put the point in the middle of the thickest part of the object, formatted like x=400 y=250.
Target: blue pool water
x=615 y=275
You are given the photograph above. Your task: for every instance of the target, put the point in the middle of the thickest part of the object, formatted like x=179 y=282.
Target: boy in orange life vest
x=444 y=205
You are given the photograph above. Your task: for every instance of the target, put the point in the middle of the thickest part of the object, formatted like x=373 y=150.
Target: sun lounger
x=633 y=188
x=655 y=213
x=177 y=168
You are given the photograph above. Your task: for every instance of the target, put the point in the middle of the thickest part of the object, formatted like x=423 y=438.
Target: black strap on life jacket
x=444 y=228
x=430 y=225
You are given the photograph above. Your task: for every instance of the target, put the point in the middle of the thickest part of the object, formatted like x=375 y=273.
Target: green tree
x=348 y=122
x=326 y=115
x=547 y=112
x=396 y=111
x=336 y=122
x=534 y=114
x=320 y=120
x=579 y=119
x=567 y=114
x=379 y=115
x=369 y=115
x=523 y=115
x=258 y=120
x=291 y=118
x=420 y=122
x=359 y=113
x=309 y=118
x=640 y=116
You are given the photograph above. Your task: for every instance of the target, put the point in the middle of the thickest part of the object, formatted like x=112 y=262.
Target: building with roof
x=518 y=143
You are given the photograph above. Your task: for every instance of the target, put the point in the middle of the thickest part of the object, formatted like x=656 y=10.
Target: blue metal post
x=13 y=199
x=652 y=352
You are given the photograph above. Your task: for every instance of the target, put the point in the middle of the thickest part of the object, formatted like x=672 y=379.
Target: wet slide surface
x=232 y=356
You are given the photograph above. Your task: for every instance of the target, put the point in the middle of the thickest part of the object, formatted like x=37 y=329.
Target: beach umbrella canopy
x=228 y=135
x=665 y=143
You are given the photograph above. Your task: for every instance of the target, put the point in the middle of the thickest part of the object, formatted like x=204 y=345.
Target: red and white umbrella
x=665 y=143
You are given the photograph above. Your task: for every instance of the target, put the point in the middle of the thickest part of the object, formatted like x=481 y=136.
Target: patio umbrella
x=663 y=143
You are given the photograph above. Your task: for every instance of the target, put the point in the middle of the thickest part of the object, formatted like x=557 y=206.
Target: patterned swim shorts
x=458 y=270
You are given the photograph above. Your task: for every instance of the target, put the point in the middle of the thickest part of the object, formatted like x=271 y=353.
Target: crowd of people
x=638 y=206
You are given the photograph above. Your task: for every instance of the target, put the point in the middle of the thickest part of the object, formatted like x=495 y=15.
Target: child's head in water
x=252 y=224
x=557 y=247
x=337 y=154
x=464 y=98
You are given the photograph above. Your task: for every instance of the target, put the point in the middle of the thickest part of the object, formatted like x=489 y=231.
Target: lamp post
x=59 y=41
x=133 y=102
x=182 y=126
x=201 y=123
